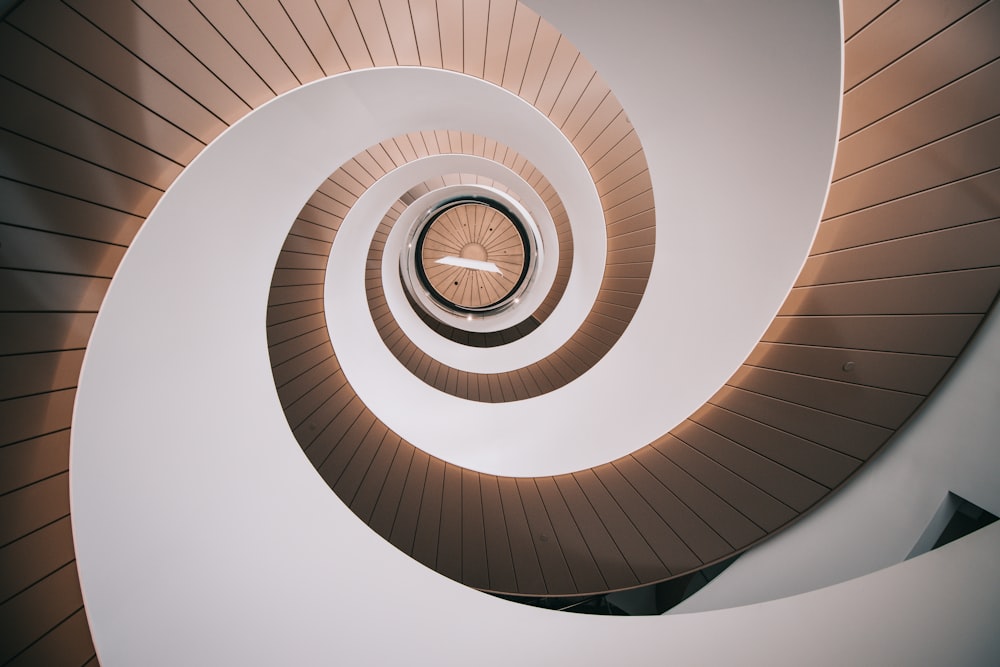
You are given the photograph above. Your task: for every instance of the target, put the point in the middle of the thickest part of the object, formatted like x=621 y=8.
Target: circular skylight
x=470 y=256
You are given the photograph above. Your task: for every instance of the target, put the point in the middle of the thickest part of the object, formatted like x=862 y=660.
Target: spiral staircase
x=271 y=426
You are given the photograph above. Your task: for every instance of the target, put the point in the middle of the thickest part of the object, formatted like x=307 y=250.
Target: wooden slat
x=79 y=40
x=426 y=538
x=188 y=26
x=288 y=277
x=451 y=34
x=300 y=364
x=29 y=461
x=619 y=164
x=314 y=411
x=610 y=561
x=764 y=510
x=827 y=466
x=32 y=116
x=475 y=565
x=375 y=32
x=273 y=20
x=637 y=552
x=406 y=512
x=280 y=313
x=916 y=334
x=282 y=352
x=969 y=200
x=28 y=374
x=36 y=164
x=324 y=211
x=955 y=107
x=579 y=560
x=522 y=38
x=305 y=381
x=343 y=26
x=397 y=29
x=848 y=436
x=239 y=30
x=970 y=291
x=558 y=578
x=338 y=419
x=636 y=186
x=607 y=114
x=33 y=507
x=950 y=54
x=449 y=560
x=22 y=333
x=858 y=14
x=311 y=25
x=730 y=524
x=475 y=17
x=498 y=37
x=970 y=246
x=35 y=67
x=670 y=549
x=306 y=245
x=67 y=643
x=34 y=208
x=29 y=616
x=289 y=330
x=355 y=429
x=780 y=482
x=25 y=248
x=958 y=156
x=897 y=31
x=911 y=373
x=697 y=535
x=527 y=569
x=35 y=556
x=580 y=79
x=643 y=238
x=557 y=75
x=543 y=48
x=31 y=416
x=388 y=496
x=355 y=464
x=594 y=148
x=294 y=294
x=498 y=549
x=425 y=28
x=874 y=406
x=373 y=482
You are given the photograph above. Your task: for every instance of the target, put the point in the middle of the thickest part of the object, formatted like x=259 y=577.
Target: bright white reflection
x=474 y=264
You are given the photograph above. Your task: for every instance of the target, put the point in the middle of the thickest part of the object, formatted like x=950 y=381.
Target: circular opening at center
x=472 y=255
